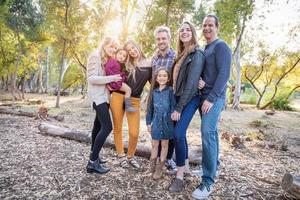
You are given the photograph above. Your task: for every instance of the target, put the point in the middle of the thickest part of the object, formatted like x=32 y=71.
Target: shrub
x=281 y=103
x=249 y=97
x=256 y=123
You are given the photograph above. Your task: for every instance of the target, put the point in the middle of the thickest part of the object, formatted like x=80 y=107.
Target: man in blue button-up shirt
x=164 y=57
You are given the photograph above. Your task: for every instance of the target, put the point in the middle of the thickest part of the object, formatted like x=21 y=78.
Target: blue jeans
x=181 y=146
x=210 y=140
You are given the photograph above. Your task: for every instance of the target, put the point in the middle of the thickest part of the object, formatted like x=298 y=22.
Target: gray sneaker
x=171 y=165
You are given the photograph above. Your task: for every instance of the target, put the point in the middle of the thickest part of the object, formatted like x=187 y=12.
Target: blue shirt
x=166 y=61
x=216 y=70
x=159 y=113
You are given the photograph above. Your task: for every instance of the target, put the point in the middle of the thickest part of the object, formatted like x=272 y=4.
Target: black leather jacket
x=188 y=78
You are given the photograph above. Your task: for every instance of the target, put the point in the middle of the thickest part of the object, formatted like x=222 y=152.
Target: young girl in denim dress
x=161 y=104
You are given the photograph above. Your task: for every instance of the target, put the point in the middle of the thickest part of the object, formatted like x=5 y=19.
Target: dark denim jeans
x=181 y=146
x=210 y=141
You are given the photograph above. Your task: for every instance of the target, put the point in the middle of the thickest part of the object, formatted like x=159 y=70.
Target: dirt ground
x=36 y=166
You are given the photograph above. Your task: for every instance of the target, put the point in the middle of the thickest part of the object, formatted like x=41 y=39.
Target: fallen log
x=23 y=102
x=28 y=114
x=143 y=149
x=291 y=185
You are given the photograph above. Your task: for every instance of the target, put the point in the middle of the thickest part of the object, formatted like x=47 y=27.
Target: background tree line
x=44 y=44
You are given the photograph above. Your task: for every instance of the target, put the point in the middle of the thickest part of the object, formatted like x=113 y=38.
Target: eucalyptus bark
x=237 y=90
x=62 y=56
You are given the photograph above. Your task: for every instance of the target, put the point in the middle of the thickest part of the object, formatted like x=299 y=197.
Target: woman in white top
x=99 y=97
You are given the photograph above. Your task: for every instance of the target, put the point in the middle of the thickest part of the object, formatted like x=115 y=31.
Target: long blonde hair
x=180 y=47
x=106 y=41
x=130 y=64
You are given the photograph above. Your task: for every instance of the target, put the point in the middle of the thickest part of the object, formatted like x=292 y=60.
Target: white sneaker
x=202 y=191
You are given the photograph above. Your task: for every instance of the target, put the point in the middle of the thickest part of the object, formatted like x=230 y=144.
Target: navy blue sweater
x=216 y=70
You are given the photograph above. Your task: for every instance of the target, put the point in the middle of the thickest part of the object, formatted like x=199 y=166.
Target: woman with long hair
x=139 y=73
x=99 y=97
x=187 y=69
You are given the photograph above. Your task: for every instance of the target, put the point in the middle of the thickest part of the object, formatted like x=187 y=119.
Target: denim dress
x=159 y=114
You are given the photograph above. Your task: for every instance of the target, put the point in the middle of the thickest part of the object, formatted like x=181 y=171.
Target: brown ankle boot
x=159 y=170
x=152 y=165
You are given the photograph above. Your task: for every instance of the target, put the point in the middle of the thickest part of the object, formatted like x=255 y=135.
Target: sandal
x=124 y=162
x=134 y=163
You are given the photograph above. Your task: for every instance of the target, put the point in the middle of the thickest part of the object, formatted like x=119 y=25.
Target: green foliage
x=249 y=97
x=24 y=16
x=281 y=103
x=275 y=73
x=8 y=52
x=254 y=135
x=231 y=14
x=159 y=15
x=73 y=77
x=199 y=16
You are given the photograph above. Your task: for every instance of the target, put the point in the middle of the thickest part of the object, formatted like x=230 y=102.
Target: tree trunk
x=291 y=184
x=83 y=91
x=237 y=90
x=168 y=12
x=143 y=149
x=6 y=84
x=60 y=74
x=31 y=83
x=23 y=84
x=53 y=130
x=29 y=114
x=23 y=87
x=40 y=88
x=14 y=76
x=47 y=70
x=62 y=56
x=3 y=82
x=278 y=82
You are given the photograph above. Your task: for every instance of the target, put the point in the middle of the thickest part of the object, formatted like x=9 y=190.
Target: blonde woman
x=99 y=97
x=187 y=69
x=139 y=73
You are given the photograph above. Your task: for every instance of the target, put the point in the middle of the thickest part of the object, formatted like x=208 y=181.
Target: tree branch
x=277 y=83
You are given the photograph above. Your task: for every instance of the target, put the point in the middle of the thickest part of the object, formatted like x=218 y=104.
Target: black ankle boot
x=96 y=167
x=101 y=160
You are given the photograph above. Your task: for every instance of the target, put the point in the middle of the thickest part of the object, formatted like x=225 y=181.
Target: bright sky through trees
x=272 y=22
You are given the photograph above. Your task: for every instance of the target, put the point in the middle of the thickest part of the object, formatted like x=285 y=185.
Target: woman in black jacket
x=187 y=69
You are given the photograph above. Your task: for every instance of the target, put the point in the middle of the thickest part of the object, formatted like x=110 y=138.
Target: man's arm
x=223 y=63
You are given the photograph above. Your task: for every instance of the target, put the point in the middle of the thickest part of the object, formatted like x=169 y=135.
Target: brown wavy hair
x=180 y=47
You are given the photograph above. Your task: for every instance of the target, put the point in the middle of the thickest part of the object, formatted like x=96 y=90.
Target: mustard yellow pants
x=133 y=118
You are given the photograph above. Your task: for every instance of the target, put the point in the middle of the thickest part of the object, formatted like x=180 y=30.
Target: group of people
x=182 y=82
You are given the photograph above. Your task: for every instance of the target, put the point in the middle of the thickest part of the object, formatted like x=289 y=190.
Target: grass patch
x=254 y=135
x=249 y=97
x=256 y=123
